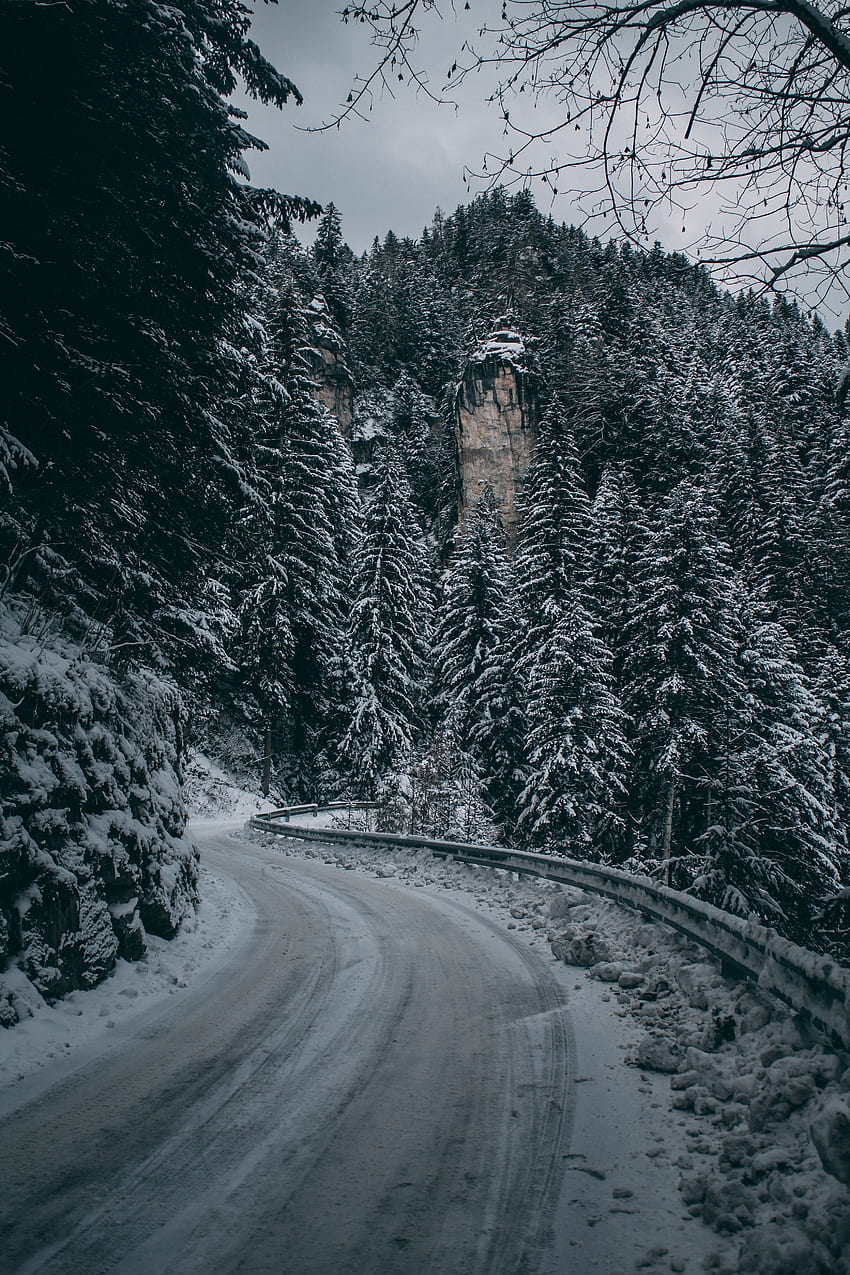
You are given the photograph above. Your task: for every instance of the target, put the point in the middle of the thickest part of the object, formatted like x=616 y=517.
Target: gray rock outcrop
x=496 y=422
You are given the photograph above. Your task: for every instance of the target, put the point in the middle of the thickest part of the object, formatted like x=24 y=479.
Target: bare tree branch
x=668 y=103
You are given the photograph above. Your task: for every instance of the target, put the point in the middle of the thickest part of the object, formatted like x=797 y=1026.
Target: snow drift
x=92 y=846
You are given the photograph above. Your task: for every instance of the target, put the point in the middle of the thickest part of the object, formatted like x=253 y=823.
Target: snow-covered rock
x=656 y=1054
x=696 y=981
x=584 y=950
x=830 y=1132
x=778 y=1250
x=92 y=828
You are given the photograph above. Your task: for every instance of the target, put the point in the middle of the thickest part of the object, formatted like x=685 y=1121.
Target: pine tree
x=578 y=755
x=299 y=537
x=467 y=632
x=498 y=736
x=412 y=417
x=334 y=260
x=127 y=238
x=832 y=693
x=552 y=539
x=388 y=636
x=617 y=542
x=773 y=848
x=829 y=534
x=678 y=670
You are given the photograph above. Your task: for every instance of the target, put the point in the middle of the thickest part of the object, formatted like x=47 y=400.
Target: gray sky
x=392 y=170
x=389 y=173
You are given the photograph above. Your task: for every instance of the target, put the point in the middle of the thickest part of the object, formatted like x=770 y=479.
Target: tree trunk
x=668 y=830
x=267 y=762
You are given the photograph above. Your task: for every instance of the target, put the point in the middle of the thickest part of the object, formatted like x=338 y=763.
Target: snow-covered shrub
x=92 y=821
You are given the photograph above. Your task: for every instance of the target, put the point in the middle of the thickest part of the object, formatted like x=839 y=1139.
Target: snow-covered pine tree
x=774 y=847
x=549 y=561
x=678 y=670
x=334 y=262
x=299 y=540
x=467 y=630
x=832 y=693
x=389 y=632
x=617 y=542
x=578 y=755
x=552 y=538
x=498 y=736
x=128 y=234
x=830 y=533
x=411 y=421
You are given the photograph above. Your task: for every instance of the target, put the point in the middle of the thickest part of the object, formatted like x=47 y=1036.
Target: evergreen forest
x=234 y=519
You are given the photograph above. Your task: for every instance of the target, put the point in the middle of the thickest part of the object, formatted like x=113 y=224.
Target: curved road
x=377 y=1083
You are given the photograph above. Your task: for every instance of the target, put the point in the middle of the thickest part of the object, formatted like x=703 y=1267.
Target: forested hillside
x=238 y=514
x=653 y=670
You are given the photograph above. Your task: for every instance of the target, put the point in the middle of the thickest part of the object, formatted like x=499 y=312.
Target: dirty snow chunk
x=560 y=906
x=797 y=1090
x=773 y=1158
x=696 y=980
x=830 y=1132
x=776 y=1250
x=606 y=972
x=656 y=1054
x=583 y=950
x=822 y=1068
x=684 y=1080
x=698 y=1059
x=736 y=1150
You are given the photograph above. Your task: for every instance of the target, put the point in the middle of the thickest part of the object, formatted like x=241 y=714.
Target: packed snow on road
x=699 y=1127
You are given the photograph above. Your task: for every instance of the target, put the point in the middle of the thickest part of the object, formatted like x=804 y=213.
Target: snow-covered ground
x=211 y=793
x=53 y=1040
x=692 y=1142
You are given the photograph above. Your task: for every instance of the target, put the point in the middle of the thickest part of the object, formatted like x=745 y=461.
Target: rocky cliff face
x=496 y=423
x=326 y=356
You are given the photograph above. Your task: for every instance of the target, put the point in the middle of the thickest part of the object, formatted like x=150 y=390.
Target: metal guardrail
x=814 y=985
x=313 y=808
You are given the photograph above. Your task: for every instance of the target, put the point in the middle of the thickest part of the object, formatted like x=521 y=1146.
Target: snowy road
x=378 y=1081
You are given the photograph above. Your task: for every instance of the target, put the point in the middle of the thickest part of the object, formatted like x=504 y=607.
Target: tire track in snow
x=380 y=1083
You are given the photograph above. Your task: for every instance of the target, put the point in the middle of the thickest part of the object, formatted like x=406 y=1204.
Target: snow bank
x=92 y=833
x=211 y=793
x=52 y=1040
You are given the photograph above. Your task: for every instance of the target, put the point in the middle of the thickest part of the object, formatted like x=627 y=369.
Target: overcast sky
x=389 y=173
x=394 y=169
